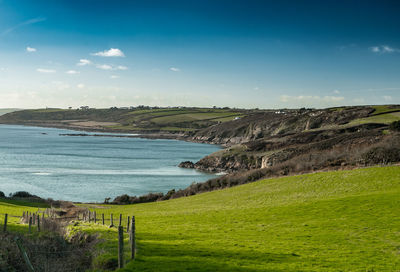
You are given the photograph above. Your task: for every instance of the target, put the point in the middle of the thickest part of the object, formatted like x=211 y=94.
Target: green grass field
x=385 y=118
x=332 y=221
x=336 y=221
x=139 y=119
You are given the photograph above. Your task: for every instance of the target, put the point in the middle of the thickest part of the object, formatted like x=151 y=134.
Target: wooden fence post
x=120 y=219
x=89 y=217
x=102 y=218
x=30 y=224
x=38 y=223
x=5 y=222
x=120 y=247
x=132 y=238
x=33 y=218
x=127 y=225
x=94 y=217
x=112 y=221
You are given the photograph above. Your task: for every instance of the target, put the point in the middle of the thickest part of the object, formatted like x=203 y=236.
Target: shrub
x=23 y=194
x=382 y=155
x=395 y=126
x=2 y=194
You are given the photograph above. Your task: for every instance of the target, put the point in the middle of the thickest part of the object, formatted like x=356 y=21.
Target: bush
x=2 y=194
x=382 y=155
x=23 y=194
x=395 y=126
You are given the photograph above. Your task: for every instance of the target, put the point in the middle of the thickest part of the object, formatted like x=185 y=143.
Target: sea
x=88 y=168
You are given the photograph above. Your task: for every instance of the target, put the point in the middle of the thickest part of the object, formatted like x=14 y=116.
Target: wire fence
x=52 y=220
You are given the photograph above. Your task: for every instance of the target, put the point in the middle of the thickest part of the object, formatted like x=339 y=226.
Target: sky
x=245 y=54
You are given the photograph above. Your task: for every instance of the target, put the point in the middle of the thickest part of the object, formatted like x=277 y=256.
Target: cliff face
x=270 y=151
x=281 y=122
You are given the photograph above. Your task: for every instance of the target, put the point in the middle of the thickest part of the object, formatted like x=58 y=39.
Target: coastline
x=135 y=133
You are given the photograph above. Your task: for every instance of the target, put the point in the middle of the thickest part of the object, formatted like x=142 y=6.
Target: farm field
x=328 y=221
x=154 y=119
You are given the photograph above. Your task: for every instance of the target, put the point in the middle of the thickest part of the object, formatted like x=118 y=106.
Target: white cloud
x=72 y=72
x=110 y=67
x=80 y=86
x=387 y=49
x=383 y=49
x=375 y=49
x=30 y=49
x=114 y=76
x=112 y=52
x=104 y=67
x=174 y=69
x=45 y=71
x=387 y=98
x=336 y=91
x=83 y=62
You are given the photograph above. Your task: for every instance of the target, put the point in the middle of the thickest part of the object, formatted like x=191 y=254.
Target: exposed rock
x=186 y=164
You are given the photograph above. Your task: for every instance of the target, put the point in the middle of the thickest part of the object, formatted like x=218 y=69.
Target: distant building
x=84 y=107
x=237 y=118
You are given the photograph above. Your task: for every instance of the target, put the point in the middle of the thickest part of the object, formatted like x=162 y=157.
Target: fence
x=43 y=222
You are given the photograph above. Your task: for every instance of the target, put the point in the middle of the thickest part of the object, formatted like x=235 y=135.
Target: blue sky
x=265 y=54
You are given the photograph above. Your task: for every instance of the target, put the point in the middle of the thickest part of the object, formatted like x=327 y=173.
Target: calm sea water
x=42 y=162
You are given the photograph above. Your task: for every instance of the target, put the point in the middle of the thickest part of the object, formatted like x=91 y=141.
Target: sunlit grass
x=333 y=221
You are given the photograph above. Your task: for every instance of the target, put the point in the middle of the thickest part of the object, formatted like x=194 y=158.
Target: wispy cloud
x=121 y=67
x=25 y=23
x=83 y=62
x=387 y=98
x=174 y=69
x=110 y=67
x=336 y=91
x=72 y=72
x=104 y=67
x=382 y=49
x=80 y=85
x=30 y=49
x=112 y=52
x=46 y=71
x=114 y=76
x=311 y=98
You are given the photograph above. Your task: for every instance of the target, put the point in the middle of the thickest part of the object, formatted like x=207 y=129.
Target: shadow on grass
x=160 y=254
x=25 y=203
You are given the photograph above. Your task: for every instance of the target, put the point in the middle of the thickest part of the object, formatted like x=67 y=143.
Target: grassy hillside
x=4 y=111
x=138 y=119
x=333 y=221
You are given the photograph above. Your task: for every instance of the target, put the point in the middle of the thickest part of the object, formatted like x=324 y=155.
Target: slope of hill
x=5 y=111
x=144 y=119
x=334 y=221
